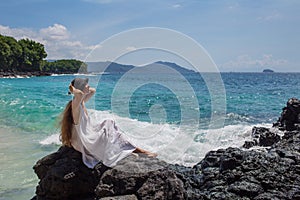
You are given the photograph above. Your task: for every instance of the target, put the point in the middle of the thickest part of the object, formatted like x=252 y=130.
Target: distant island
x=117 y=68
x=268 y=71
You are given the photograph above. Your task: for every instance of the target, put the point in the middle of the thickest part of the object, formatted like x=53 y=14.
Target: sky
x=238 y=35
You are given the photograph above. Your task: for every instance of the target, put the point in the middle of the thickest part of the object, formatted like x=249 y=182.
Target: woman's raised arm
x=90 y=94
x=78 y=98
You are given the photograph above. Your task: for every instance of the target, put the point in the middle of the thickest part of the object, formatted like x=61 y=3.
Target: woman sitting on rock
x=102 y=142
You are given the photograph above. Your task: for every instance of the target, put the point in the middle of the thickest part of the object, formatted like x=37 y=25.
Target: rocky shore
x=17 y=74
x=266 y=168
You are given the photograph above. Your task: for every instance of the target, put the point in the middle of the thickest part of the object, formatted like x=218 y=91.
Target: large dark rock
x=143 y=177
x=232 y=173
x=236 y=174
x=263 y=137
x=63 y=175
x=290 y=116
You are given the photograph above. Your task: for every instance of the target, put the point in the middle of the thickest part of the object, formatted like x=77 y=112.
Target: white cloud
x=18 y=33
x=233 y=6
x=102 y=1
x=275 y=15
x=55 y=32
x=57 y=39
x=176 y=6
x=247 y=62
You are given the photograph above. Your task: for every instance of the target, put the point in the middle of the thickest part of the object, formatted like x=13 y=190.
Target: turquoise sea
x=151 y=113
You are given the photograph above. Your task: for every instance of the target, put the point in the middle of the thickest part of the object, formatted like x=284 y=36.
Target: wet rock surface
x=263 y=137
x=16 y=74
x=290 y=116
x=269 y=172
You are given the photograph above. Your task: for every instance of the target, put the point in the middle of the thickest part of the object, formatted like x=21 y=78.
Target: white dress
x=100 y=142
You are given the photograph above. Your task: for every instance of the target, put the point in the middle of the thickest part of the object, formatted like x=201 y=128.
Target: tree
x=5 y=53
x=65 y=66
x=16 y=51
x=32 y=56
x=10 y=52
x=27 y=55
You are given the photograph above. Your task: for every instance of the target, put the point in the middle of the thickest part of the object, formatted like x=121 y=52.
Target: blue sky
x=238 y=35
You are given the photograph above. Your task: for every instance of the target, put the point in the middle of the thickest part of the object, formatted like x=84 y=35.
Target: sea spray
x=158 y=137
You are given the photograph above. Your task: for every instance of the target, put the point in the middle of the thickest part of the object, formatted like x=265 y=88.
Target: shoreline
x=37 y=74
x=16 y=74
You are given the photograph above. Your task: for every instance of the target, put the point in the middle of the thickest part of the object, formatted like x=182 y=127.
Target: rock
x=162 y=185
x=124 y=197
x=290 y=116
x=249 y=144
x=245 y=188
x=15 y=74
x=272 y=195
x=63 y=175
x=128 y=176
x=143 y=177
x=232 y=159
x=268 y=138
x=262 y=137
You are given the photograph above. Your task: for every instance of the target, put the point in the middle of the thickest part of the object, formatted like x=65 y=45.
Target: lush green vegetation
x=28 y=56
x=65 y=66
x=22 y=55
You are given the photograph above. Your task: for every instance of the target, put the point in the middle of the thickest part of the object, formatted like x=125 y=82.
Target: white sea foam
x=17 y=76
x=78 y=74
x=60 y=74
x=237 y=117
x=14 y=102
x=174 y=144
x=52 y=139
x=99 y=73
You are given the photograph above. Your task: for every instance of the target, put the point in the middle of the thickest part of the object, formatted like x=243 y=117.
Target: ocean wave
x=13 y=77
x=78 y=74
x=234 y=117
x=237 y=116
x=174 y=144
x=99 y=73
x=14 y=102
x=52 y=139
x=61 y=74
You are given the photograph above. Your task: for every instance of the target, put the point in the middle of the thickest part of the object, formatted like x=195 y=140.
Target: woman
x=102 y=142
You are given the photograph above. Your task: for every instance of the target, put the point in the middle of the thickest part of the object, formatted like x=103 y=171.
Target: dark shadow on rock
x=263 y=137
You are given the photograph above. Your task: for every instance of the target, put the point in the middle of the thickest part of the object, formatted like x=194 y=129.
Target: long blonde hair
x=66 y=125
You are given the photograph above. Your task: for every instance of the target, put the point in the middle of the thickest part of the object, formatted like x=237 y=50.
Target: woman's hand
x=74 y=90
x=90 y=94
x=92 y=90
x=71 y=88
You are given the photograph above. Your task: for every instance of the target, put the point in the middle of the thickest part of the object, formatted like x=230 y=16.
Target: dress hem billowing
x=102 y=142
